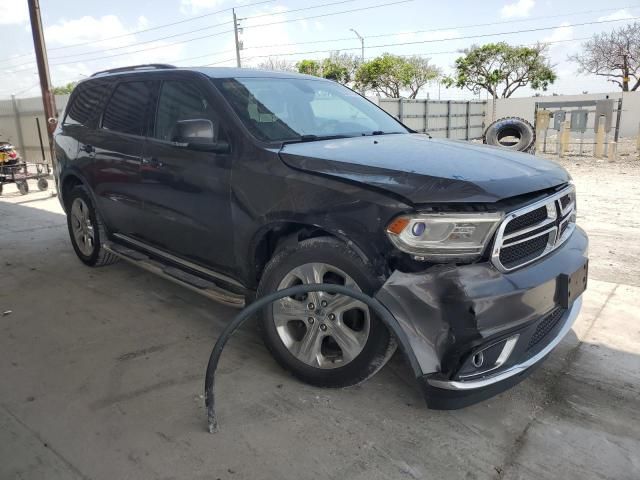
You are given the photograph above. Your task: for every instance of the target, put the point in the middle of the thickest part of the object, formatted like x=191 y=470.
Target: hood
x=424 y=170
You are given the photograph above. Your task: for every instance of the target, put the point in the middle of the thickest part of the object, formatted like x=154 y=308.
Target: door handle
x=152 y=162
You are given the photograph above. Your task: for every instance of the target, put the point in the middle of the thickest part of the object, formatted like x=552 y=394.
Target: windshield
x=289 y=109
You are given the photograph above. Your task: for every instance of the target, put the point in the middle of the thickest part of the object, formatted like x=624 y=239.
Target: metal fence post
x=16 y=116
x=468 y=121
x=618 y=115
x=426 y=117
x=448 y=118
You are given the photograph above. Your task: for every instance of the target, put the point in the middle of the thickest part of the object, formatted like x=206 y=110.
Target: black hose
x=380 y=310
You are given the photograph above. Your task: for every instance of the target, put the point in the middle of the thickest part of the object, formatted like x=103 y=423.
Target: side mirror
x=198 y=134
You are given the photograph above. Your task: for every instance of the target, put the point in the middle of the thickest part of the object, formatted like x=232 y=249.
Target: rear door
x=75 y=130
x=117 y=146
x=187 y=190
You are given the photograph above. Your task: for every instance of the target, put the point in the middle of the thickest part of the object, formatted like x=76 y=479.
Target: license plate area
x=573 y=285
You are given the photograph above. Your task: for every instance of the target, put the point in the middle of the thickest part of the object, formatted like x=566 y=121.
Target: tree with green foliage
x=310 y=67
x=340 y=67
x=65 y=89
x=391 y=75
x=501 y=69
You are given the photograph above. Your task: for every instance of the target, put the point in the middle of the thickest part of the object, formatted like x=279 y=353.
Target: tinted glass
x=278 y=109
x=127 y=107
x=181 y=102
x=84 y=103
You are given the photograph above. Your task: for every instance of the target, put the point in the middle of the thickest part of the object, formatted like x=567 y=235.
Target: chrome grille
x=534 y=231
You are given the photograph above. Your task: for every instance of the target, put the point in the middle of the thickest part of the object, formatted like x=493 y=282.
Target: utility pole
x=361 y=38
x=238 y=44
x=48 y=99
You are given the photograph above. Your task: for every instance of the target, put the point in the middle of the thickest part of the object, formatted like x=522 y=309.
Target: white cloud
x=13 y=12
x=275 y=34
x=563 y=32
x=97 y=33
x=617 y=15
x=426 y=36
x=521 y=8
x=88 y=30
x=192 y=7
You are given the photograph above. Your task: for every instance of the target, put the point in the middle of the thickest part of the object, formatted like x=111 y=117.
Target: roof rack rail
x=135 y=67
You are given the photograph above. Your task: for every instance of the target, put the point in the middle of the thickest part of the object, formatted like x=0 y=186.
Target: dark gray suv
x=236 y=183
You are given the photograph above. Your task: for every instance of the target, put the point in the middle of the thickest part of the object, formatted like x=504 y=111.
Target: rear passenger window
x=127 y=108
x=84 y=103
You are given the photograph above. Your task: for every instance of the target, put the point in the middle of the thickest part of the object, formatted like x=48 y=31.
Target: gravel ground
x=609 y=209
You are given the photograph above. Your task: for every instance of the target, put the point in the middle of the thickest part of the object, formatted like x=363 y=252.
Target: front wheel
x=328 y=340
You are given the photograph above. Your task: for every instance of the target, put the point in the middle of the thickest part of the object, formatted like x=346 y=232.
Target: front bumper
x=450 y=313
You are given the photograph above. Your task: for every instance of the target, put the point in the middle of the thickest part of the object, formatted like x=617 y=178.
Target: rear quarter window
x=84 y=103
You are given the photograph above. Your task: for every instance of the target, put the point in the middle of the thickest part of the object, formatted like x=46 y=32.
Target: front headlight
x=435 y=237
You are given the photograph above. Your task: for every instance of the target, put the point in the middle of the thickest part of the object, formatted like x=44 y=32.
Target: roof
x=212 y=72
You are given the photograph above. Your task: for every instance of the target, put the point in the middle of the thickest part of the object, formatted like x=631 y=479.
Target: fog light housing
x=489 y=358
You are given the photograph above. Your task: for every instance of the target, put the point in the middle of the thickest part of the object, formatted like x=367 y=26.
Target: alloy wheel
x=320 y=329
x=83 y=231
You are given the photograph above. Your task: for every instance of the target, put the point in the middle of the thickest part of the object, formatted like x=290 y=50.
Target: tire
x=23 y=187
x=80 y=207
x=42 y=184
x=512 y=132
x=329 y=365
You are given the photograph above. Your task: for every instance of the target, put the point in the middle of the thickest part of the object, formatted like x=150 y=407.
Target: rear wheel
x=329 y=340
x=86 y=229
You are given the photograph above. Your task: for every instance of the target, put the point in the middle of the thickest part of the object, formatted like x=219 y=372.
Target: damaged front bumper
x=475 y=331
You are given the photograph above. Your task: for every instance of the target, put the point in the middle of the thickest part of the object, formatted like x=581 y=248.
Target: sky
x=85 y=36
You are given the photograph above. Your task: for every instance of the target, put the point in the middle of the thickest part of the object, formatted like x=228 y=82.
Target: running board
x=194 y=283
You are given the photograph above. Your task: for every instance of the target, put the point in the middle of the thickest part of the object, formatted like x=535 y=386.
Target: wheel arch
x=277 y=235
x=70 y=180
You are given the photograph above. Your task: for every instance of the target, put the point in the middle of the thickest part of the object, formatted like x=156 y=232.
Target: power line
x=135 y=51
x=140 y=43
x=380 y=5
x=405 y=55
x=190 y=19
x=454 y=38
x=442 y=28
x=190 y=31
x=206 y=36
x=298 y=9
x=530 y=19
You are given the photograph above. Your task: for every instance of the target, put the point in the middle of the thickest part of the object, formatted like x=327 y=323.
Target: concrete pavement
x=102 y=370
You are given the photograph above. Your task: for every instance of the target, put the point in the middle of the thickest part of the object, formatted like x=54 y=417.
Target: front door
x=186 y=189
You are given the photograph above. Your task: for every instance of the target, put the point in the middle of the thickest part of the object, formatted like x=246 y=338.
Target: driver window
x=179 y=104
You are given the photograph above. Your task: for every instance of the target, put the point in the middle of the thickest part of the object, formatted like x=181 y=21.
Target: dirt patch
x=609 y=210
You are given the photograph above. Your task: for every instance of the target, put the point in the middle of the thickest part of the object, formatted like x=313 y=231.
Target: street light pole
x=361 y=43
x=361 y=38
x=48 y=99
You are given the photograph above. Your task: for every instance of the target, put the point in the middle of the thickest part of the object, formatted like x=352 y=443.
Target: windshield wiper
x=314 y=138
x=380 y=132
